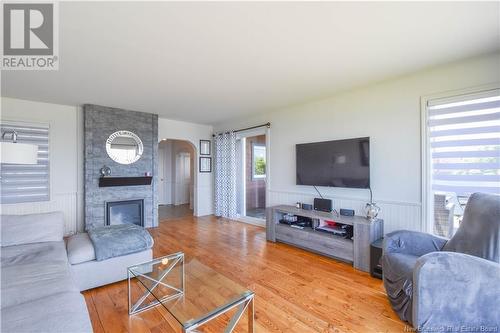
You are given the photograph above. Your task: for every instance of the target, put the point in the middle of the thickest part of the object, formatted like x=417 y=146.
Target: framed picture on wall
x=205 y=147
x=205 y=164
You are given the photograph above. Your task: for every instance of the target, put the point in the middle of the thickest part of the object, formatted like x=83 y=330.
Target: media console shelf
x=355 y=250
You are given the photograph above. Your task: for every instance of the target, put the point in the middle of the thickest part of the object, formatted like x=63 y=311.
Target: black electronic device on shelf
x=307 y=206
x=294 y=220
x=346 y=212
x=342 y=230
x=336 y=230
x=304 y=221
x=323 y=205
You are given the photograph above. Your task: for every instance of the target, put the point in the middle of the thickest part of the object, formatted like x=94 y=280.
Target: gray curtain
x=225 y=175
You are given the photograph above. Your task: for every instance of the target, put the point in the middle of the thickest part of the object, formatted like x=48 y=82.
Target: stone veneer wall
x=100 y=123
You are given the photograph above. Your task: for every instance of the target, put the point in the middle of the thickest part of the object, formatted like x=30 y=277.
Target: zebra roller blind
x=27 y=183
x=464 y=137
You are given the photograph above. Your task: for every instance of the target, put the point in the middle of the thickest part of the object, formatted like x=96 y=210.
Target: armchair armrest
x=455 y=290
x=412 y=242
x=31 y=228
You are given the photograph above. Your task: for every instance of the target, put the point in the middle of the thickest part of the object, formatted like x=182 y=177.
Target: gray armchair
x=448 y=285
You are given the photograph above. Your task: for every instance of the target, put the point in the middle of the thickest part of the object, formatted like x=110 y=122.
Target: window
x=27 y=183
x=463 y=153
x=258 y=161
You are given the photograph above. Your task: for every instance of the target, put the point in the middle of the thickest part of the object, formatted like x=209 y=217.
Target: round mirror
x=124 y=147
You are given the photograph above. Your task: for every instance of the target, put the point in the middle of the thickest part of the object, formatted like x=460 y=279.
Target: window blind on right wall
x=464 y=138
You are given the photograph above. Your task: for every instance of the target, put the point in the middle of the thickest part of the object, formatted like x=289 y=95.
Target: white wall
x=65 y=153
x=179 y=130
x=389 y=113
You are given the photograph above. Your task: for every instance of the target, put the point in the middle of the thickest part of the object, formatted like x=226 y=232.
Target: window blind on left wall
x=27 y=183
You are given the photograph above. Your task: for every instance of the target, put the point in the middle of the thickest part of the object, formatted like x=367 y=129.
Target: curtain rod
x=268 y=124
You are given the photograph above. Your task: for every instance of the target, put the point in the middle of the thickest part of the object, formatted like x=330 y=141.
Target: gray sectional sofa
x=89 y=272
x=38 y=293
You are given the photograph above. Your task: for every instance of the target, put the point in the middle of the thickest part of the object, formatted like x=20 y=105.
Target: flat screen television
x=339 y=163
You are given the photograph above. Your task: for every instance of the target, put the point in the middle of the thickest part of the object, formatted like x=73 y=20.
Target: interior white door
x=161 y=177
x=183 y=178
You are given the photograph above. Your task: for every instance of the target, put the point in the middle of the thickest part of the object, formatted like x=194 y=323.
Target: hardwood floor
x=296 y=291
x=172 y=212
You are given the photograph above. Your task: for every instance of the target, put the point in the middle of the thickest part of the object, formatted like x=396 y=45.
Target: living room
x=250 y=166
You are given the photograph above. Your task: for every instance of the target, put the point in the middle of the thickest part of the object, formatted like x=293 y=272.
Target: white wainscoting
x=64 y=202
x=396 y=215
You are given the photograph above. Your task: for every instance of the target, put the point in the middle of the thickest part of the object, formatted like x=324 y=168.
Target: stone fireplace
x=115 y=201
x=125 y=212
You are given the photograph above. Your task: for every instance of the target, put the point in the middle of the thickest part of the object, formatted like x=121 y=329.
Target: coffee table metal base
x=139 y=306
x=242 y=305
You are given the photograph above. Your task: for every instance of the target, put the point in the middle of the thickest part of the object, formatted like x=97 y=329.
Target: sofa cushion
x=80 y=249
x=37 y=291
x=31 y=228
x=92 y=274
x=24 y=283
x=62 y=312
x=118 y=240
x=33 y=253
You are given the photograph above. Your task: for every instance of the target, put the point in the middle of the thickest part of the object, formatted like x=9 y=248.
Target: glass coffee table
x=191 y=292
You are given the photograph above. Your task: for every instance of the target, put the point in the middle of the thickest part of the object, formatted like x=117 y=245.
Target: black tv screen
x=340 y=163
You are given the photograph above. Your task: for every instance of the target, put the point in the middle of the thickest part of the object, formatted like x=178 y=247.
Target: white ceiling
x=207 y=62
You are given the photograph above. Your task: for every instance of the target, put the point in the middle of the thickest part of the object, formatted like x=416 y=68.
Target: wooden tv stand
x=355 y=250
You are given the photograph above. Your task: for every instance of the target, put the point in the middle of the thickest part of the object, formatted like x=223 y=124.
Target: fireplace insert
x=125 y=212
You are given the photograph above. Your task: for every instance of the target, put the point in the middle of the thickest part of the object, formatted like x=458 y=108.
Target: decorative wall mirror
x=124 y=147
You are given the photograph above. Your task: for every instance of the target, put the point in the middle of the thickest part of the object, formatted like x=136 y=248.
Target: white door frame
x=194 y=166
x=243 y=135
x=161 y=176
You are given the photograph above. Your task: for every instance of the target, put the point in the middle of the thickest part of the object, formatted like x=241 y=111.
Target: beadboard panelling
x=396 y=215
x=64 y=202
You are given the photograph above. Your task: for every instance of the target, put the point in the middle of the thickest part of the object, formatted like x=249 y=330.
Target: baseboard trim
x=252 y=221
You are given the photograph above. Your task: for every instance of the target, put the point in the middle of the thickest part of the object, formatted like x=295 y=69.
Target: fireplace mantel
x=124 y=181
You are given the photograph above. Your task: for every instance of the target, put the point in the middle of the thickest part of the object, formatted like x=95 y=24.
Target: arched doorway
x=176 y=179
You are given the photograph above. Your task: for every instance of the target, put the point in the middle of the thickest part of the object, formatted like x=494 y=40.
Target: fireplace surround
x=99 y=123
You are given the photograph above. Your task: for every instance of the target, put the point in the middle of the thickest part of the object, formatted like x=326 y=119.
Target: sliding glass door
x=255 y=176
x=252 y=171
